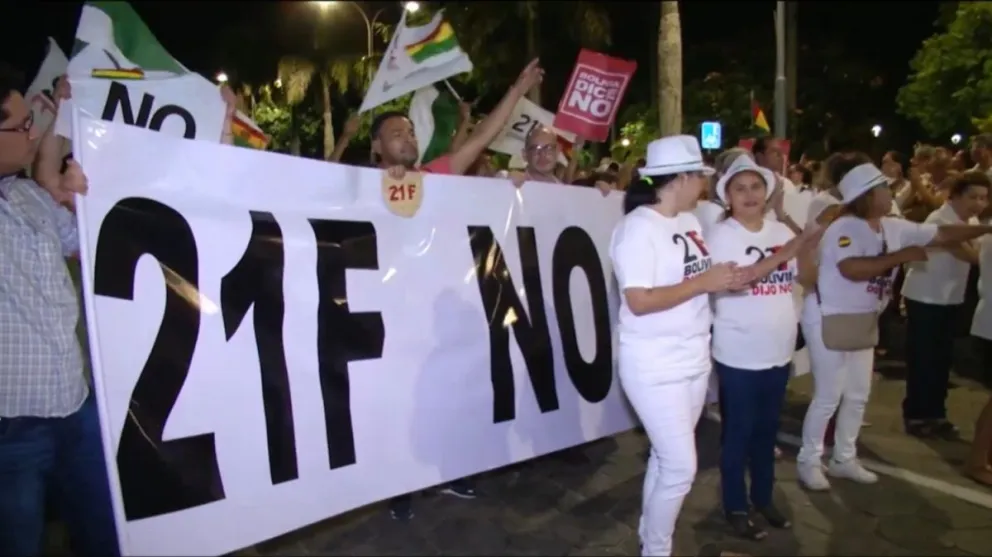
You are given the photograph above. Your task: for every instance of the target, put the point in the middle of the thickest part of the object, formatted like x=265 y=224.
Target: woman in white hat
x=754 y=338
x=664 y=270
x=859 y=253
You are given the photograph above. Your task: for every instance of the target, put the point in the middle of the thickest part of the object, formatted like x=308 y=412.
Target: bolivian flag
x=758 y=116
x=442 y=40
x=246 y=134
x=134 y=73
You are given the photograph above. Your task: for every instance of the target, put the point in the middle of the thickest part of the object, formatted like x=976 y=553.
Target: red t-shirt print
x=440 y=165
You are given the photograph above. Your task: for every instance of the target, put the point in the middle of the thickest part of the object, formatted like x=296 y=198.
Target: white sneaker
x=811 y=476
x=851 y=470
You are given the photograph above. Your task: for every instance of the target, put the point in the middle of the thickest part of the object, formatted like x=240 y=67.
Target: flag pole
x=453 y=92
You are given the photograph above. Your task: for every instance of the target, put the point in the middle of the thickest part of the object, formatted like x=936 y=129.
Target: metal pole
x=780 y=84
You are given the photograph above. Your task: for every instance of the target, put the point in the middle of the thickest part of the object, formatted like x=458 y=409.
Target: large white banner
x=272 y=346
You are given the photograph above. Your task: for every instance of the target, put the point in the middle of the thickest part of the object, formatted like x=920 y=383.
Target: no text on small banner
x=404 y=196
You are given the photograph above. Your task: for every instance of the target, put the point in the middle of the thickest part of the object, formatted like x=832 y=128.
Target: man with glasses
x=49 y=428
x=541 y=155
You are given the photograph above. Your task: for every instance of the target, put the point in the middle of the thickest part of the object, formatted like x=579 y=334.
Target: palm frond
x=295 y=73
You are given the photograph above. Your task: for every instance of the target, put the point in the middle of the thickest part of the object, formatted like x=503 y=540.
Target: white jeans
x=839 y=378
x=669 y=412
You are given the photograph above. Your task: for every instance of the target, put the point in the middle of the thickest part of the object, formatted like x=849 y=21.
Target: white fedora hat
x=744 y=164
x=860 y=180
x=674 y=155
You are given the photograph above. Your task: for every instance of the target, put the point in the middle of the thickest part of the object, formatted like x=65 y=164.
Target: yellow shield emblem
x=403 y=197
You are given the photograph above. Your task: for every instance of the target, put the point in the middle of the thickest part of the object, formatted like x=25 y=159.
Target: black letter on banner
x=343 y=336
x=158 y=477
x=189 y=129
x=118 y=97
x=575 y=248
x=503 y=308
x=257 y=280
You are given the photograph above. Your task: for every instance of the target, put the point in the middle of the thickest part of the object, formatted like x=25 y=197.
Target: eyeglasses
x=24 y=127
x=540 y=149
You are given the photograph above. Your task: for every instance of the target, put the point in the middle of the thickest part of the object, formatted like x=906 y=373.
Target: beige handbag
x=850 y=332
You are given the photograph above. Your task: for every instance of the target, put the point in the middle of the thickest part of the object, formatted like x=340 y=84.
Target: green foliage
x=275 y=120
x=951 y=80
x=494 y=34
x=724 y=98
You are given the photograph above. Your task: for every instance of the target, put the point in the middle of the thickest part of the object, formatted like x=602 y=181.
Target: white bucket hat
x=674 y=155
x=745 y=164
x=859 y=181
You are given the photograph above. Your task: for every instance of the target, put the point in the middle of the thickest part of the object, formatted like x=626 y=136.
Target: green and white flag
x=415 y=58
x=120 y=72
x=434 y=115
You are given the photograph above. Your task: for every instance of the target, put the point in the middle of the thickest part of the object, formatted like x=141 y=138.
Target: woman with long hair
x=665 y=274
x=858 y=254
x=754 y=338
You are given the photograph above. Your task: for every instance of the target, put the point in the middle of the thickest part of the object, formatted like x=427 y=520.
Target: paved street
x=553 y=507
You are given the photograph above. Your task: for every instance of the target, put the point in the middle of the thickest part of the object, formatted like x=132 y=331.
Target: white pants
x=713 y=391
x=839 y=378
x=669 y=412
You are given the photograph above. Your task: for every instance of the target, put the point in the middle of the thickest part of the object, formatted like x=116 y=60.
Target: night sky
x=203 y=35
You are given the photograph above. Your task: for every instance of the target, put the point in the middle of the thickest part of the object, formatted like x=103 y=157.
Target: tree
x=720 y=97
x=951 y=79
x=670 y=69
x=325 y=66
x=525 y=30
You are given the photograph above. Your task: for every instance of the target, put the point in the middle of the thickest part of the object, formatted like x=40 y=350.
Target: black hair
x=899 y=159
x=838 y=167
x=807 y=174
x=760 y=145
x=966 y=158
x=644 y=191
x=968 y=179
x=613 y=167
x=381 y=119
x=11 y=81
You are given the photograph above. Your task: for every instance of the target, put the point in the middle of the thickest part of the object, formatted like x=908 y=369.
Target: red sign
x=593 y=95
x=785 y=144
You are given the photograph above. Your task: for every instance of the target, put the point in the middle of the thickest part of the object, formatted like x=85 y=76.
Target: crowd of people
x=726 y=267
x=723 y=305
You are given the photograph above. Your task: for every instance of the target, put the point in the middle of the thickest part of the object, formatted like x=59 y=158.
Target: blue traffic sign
x=711 y=135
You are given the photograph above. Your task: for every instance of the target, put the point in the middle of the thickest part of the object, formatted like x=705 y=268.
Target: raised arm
x=464 y=126
x=349 y=131
x=487 y=130
x=47 y=166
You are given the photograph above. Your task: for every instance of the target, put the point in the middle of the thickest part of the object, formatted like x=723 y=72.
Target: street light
x=876 y=130
x=221 y=77
x=409 y=7
x=625 y=142
x=956 y=138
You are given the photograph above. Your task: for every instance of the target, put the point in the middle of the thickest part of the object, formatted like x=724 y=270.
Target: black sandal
x=919 y=428
x=774 y=518
x=742 y=525
x=945 y=430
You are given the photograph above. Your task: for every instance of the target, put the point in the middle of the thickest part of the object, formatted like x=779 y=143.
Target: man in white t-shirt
x=934 y=292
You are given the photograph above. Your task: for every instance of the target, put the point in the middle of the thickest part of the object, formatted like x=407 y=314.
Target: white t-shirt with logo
x=820 y=202
x=708 y=213
x=981 y=325
x=755 y=329
x=943 y=278
x=650 y=250
x=849 y=236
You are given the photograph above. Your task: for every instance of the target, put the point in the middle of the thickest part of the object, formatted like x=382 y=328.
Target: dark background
x=246 y=39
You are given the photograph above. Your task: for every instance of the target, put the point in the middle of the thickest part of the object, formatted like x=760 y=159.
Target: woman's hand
x=721 y=277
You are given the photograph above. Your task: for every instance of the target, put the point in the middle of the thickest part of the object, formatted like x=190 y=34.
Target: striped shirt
x=41 y=365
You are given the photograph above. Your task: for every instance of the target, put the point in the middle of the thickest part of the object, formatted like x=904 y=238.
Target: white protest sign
x=267 y=357
x=526 y=116
x=39 y=93
x=185 y=106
